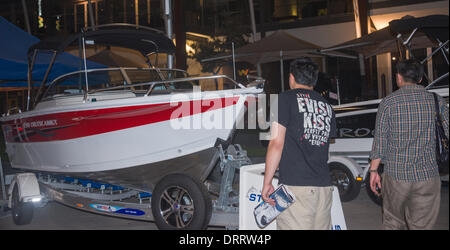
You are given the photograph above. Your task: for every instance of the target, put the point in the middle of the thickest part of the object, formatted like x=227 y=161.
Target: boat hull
x=145 y=177
x=128 y=145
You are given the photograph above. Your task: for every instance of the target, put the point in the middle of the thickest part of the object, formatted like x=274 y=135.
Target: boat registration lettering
x=36 y=124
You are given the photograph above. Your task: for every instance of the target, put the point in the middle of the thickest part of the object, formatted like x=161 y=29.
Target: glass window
x=291 y=10
x=73 y=84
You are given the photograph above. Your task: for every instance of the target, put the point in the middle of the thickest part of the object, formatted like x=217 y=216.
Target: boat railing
x=141 y=81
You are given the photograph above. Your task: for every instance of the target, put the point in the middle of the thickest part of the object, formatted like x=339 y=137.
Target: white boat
x=122 y=125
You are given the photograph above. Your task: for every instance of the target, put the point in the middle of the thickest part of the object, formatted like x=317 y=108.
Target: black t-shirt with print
x=310 y=123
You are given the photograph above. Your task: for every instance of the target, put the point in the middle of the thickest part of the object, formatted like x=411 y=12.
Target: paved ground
x=360 y=214
x=363 y=214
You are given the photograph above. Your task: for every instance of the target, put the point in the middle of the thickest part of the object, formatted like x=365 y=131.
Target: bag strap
x=438 y=113
x=437 y=107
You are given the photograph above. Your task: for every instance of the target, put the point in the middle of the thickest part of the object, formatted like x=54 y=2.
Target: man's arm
x=273 y=157
x=379 y=146
x=375 y=179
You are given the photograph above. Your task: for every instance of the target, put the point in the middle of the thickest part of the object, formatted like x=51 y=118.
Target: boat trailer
x=29 y=190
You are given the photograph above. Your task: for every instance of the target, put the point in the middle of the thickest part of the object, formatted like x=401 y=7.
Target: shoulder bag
x=441 y=140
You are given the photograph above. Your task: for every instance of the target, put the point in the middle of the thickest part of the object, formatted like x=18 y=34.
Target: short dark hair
x=305 y=71
x=411 y=70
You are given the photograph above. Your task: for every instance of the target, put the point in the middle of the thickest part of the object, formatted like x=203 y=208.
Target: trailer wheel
x=22 y=212
x=180 y=202
x=343 y=178
x=375 y=198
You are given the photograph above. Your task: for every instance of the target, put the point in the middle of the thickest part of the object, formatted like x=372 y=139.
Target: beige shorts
x=310 y=211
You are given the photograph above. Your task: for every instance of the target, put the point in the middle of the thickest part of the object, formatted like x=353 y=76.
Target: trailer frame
x=118 y=201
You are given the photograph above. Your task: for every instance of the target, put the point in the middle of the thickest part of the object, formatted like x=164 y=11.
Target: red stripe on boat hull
x=77 y=124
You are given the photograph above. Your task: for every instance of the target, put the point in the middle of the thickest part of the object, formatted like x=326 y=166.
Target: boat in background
x=356 y=121
x=349 y=154
x=356 y=126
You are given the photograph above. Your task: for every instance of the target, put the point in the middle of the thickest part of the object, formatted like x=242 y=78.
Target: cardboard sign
x=250 y=187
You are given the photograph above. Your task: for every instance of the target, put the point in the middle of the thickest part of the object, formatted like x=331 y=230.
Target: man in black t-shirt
x=299 y=148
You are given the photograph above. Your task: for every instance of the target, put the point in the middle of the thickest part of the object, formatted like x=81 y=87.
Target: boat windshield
x=103 y=79
x=140 y=81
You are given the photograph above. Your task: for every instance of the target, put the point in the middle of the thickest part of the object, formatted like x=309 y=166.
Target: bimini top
x=434 y=26
x=430 y=29
x=143 y=39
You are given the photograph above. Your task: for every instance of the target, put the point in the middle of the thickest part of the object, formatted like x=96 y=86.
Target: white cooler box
x=250 y=187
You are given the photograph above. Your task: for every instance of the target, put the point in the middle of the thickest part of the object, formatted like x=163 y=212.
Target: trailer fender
x=366 y=171
x=351 y=164
x=28 y=188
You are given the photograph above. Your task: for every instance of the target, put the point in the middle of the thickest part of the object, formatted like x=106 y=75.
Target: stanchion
x=2 y=177
x=4 y=200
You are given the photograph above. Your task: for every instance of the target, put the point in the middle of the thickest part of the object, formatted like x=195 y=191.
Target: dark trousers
x=410 y=205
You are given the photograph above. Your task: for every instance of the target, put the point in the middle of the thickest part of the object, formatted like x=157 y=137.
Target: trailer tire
x=346 y=183
x=181 y=202
x=22 y=212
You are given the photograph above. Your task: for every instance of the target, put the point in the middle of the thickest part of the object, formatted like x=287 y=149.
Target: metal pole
x=234 y=61
x=282 y=71
x=252 y=18
x=30 y=78
x=360 y=11
x=84 y=61
x=25 y=14
x=3 y=181
x=169 y=30
x=338 y=92
x=91 y=15
x=362 y=69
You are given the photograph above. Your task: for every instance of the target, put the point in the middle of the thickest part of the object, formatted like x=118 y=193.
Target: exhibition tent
x=14 y=45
